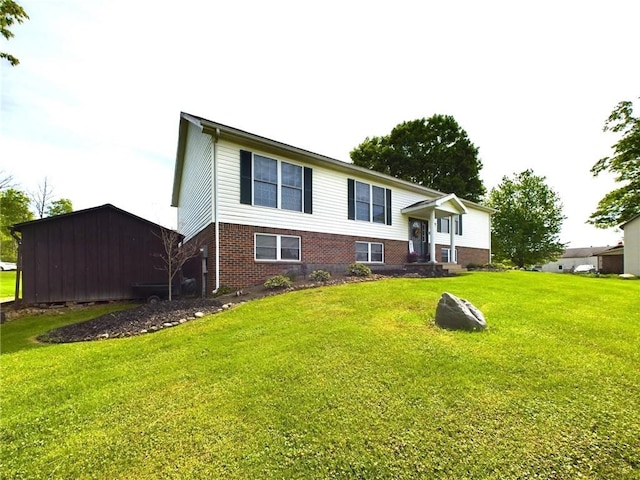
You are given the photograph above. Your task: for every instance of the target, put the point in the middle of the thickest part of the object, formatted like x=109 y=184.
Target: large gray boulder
x=458 y=314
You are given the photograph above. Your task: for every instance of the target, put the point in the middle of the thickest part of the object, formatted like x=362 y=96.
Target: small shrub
x=223 y=290
x=278 y=281
x=359 y=270
x=320 y=276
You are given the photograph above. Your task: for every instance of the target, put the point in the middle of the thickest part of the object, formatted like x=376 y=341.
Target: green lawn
x=7 y=284
x=21 y=334
x=351 y=381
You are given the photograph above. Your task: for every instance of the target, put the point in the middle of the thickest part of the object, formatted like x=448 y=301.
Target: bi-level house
x=261 y=207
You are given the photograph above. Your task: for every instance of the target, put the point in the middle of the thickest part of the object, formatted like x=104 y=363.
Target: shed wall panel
x=88 y=257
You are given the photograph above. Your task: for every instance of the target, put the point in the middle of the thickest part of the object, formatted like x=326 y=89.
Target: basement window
x=284 y=248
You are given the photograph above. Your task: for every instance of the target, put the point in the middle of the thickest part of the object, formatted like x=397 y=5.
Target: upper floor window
x=368 y=203
x=273 y=183
x=444 y=224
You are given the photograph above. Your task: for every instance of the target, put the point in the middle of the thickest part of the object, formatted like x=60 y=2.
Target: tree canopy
x=623 y=203
x=10 y=14
x=58 y=207
x=14 y=208
x=434 y=152
x=526 y=227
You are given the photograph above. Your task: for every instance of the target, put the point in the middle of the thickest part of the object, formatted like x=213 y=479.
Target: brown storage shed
x=89 y=255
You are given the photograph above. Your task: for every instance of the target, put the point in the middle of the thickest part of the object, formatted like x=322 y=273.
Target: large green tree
x=526 y=227
x=10 y=14
x=14 y=208
x=434 y=152
x=623 y=203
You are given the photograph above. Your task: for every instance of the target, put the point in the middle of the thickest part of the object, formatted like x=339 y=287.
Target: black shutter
x=388 y=192
x=459 y=232
x=308 y=190
x=351 y=192
x=245 y=177
x=439 y=224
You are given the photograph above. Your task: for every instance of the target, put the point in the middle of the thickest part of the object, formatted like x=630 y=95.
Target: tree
x=623 y=203
x=14 y=208
x=10 y=13
x=42 y=198
x=44 y=204
x=528 y=220
x=58 y=207
x=433 y=152
x=175 y=254
x=6 y=180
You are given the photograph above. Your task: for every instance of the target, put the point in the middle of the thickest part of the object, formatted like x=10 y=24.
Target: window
x=291 y=187
x=444 y=224
x=277 y=247
x=446 y=255
x=368 y=202
x=457 y=222
x=274 y=183
x=369 y=252
x=363 y=201
x=265 y=182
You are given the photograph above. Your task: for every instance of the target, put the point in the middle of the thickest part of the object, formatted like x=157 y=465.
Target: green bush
x=278 y=281
x=223 y=290
x=359 y=270
x=320 y=276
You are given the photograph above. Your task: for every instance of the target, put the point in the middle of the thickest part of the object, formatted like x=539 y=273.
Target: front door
x=417 y=236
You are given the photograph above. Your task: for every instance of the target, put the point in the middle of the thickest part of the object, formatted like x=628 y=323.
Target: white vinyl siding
x=195 y=202
x=330 y=204
x=632 y=246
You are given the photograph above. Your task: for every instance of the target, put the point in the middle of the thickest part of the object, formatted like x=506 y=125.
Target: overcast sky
x=95 y=102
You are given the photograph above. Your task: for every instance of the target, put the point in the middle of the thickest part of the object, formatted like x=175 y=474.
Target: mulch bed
x=150 y=318
x=134 y=321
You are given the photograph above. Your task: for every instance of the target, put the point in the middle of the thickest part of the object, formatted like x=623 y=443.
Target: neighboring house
x=611 y=260
x=261 y=208
x=632 y=245
x=572 y=257
x=88 y=255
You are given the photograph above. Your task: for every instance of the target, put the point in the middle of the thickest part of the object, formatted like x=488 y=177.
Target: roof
x=583 y=252
x=107 y=206
x=447 y=203
x=219 y=130
x=616 y=250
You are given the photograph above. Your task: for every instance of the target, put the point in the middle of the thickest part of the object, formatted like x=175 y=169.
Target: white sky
x=94 y=105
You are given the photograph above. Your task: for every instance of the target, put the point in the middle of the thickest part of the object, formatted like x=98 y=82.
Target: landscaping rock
x=458 y=314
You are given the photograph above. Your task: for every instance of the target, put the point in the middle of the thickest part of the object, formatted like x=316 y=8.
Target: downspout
x=216 y=220
x=16 y=297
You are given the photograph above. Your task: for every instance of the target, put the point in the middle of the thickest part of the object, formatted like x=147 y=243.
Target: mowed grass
x=7 y=284
x=20 y=334
x=351 y=381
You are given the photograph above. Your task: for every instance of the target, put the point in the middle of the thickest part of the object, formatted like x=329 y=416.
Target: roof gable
x=87 y=211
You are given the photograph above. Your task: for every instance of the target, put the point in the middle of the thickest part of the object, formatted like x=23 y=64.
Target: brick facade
x=333 y=253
